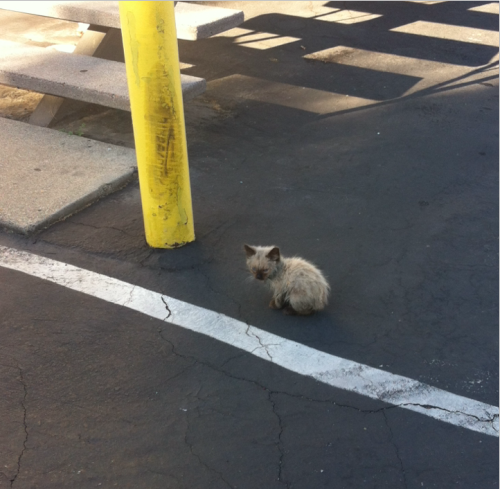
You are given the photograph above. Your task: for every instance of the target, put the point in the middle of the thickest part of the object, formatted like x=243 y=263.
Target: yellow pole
x=154 y=83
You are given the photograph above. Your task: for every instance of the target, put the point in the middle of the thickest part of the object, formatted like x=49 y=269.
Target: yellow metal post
x=154 y=83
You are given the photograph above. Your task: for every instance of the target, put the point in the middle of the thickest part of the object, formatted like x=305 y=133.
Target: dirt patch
x=17 y=104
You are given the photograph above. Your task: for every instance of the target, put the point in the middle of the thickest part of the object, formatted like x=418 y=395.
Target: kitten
x=298 y=286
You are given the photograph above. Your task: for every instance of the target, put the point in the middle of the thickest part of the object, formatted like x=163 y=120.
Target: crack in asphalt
x=396 y=449
x=495 y=417
x=107 y=227
x=166 y=306
x=225 y=362
x=218 y=292
x=262 y=345
x=269 y=397
x=130 y=296
x=270 y=394
x=325 y=401
x=149 y=254
x=204 y=464
x=200 y=460
x=25 y=441
x=430 y=406
x=163 y=474
x=280 y=447
x=231 y=222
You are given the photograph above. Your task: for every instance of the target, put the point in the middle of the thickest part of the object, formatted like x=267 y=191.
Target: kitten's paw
x=289 y=311
x=273 y=305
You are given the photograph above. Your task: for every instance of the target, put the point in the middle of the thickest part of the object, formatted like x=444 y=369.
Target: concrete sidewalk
x=48 y=175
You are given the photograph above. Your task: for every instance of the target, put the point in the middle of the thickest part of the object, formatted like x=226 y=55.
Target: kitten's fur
x=298 y=286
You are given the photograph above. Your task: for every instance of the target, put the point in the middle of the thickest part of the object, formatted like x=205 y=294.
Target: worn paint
x=152 y=62
x=337 y=372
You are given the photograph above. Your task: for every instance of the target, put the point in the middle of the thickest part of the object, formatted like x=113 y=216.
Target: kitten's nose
x=259 y=276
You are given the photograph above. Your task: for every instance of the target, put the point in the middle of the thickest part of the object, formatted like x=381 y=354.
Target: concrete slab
x=46 y=175
x=192 y=21
x=84 y=78
x=195 y=22
x=66 y=75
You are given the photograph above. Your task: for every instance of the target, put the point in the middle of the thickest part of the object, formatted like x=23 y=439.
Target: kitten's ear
x=274 y=254
x=249 y=251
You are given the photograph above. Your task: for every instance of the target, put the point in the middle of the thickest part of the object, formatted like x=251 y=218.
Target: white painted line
x=329 y=369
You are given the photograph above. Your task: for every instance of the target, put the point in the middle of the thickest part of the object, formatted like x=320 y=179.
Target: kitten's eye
x=254 y=269
x=265 y=270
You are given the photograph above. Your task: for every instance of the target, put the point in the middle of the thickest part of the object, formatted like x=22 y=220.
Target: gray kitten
x=298 y=286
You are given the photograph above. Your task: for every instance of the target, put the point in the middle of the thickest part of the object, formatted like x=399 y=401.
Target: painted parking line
x=329 y=369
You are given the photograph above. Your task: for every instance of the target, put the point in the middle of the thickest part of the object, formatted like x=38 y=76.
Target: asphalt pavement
x=362 y=136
